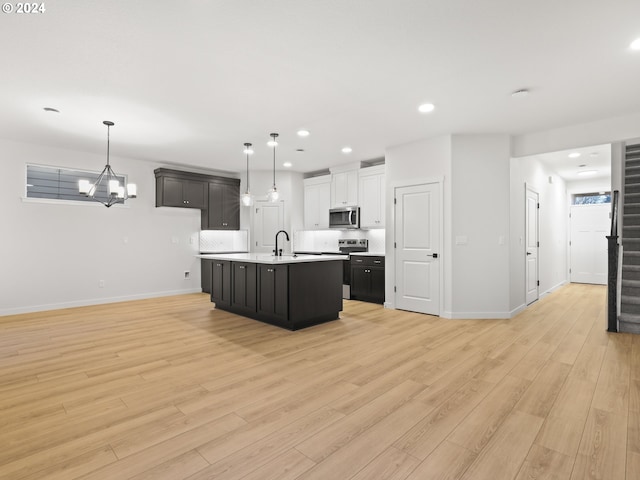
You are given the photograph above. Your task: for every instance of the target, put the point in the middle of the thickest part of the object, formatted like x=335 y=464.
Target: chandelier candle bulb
x=114 y=187
x=84 y=186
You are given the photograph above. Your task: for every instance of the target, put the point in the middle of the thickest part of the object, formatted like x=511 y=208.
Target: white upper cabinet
x=317 y=202
x=372 y=190
x=344 y=189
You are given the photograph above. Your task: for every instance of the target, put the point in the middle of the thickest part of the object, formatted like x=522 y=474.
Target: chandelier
x=107 y=189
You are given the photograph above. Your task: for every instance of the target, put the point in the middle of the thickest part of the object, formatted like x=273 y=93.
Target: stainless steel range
x=347 y=246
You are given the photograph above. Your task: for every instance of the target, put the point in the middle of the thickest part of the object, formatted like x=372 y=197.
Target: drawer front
x=369 y=261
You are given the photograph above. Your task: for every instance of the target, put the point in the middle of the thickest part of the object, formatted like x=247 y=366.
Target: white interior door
x=588 y=247
x=268 y=218
x=417 y=233
x=532 y=246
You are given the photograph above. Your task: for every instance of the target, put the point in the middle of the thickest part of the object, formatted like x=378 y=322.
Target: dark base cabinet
x=221 y=283
x=292 y=295
x=205 y=275
x=273 y=294
x=367 y=278
x=243 y=291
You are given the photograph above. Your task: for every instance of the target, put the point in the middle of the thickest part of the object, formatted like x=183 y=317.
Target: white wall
x=475 y=169
x=610 y=130
x=55 y=254
x=553 y=218
x=291 y=188
x=480 y=214
x=415 y=162
x=589 y=185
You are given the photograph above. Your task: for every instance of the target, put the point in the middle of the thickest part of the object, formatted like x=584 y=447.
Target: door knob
x=434 y=255
x=529 y=253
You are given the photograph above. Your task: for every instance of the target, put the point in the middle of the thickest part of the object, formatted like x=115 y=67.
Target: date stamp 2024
x=23 y=8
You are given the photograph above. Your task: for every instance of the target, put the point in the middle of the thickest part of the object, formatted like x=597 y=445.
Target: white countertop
x=368 y=254
x=270 y=259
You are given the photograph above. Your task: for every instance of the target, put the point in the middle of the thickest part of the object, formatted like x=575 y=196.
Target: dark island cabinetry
x=243 y=291
x=218 y=198
x=221 y=283
x=289 y=295
x=367 y=278
x=273 y=281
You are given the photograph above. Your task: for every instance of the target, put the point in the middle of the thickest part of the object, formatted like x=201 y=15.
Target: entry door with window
x=417 y=260
x=588 y=249
x=531 y=245
x=268 y=218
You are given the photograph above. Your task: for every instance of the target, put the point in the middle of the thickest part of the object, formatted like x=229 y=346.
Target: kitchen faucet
x=276 y=251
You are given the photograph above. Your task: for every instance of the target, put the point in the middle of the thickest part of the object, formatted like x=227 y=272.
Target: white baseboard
x=388 y=305
x=476 y=315
x=553 y=289
x=94 y=301
x=517 y=310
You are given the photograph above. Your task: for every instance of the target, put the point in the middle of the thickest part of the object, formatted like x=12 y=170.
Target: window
x=590 y=198
x=62 y=183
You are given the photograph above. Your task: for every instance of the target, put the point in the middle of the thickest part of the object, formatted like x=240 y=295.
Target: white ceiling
x=190 y=81
x=592 y=159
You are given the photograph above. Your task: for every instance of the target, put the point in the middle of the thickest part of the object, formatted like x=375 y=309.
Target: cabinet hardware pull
x=241 y=267
x=218 y=264
x=377 y=261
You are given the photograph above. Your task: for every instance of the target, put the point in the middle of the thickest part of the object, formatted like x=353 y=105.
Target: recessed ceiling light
x=426 y=108
x=287 y=164
x=51 y=109
x=635 y=45
x=303 y=133
x=587 y=172
x=347 y=150
x=574 y=155
x=521 y=93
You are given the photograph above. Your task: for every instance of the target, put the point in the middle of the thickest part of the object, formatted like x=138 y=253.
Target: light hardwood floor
x=171 y=388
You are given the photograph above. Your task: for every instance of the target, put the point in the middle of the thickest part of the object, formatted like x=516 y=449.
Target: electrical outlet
x=187 y=274
x=101 y=283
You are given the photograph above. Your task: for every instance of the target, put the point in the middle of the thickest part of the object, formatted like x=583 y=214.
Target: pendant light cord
x=274 y=136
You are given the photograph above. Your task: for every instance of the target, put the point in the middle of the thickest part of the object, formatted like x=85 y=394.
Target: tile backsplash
x=327 y=240
x=219 y=241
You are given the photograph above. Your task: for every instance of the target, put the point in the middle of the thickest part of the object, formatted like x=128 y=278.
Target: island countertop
x=269 y=258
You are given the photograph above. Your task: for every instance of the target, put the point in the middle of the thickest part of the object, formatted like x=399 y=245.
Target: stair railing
x=612 y=269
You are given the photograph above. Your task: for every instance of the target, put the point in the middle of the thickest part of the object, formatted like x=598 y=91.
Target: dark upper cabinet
x=367 y=278
x=221 y=282
x=224 y=207
x=174 y=191
x=217 y=197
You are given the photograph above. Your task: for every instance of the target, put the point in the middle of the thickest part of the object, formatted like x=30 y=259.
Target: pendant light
x=246 y=198
x=107 y=186
x=273 y=194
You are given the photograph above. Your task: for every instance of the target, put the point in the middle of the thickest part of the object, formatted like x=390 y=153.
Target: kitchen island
x=290 y=291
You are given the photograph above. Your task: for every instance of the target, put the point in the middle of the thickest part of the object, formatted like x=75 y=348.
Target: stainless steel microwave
x=344 y=217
